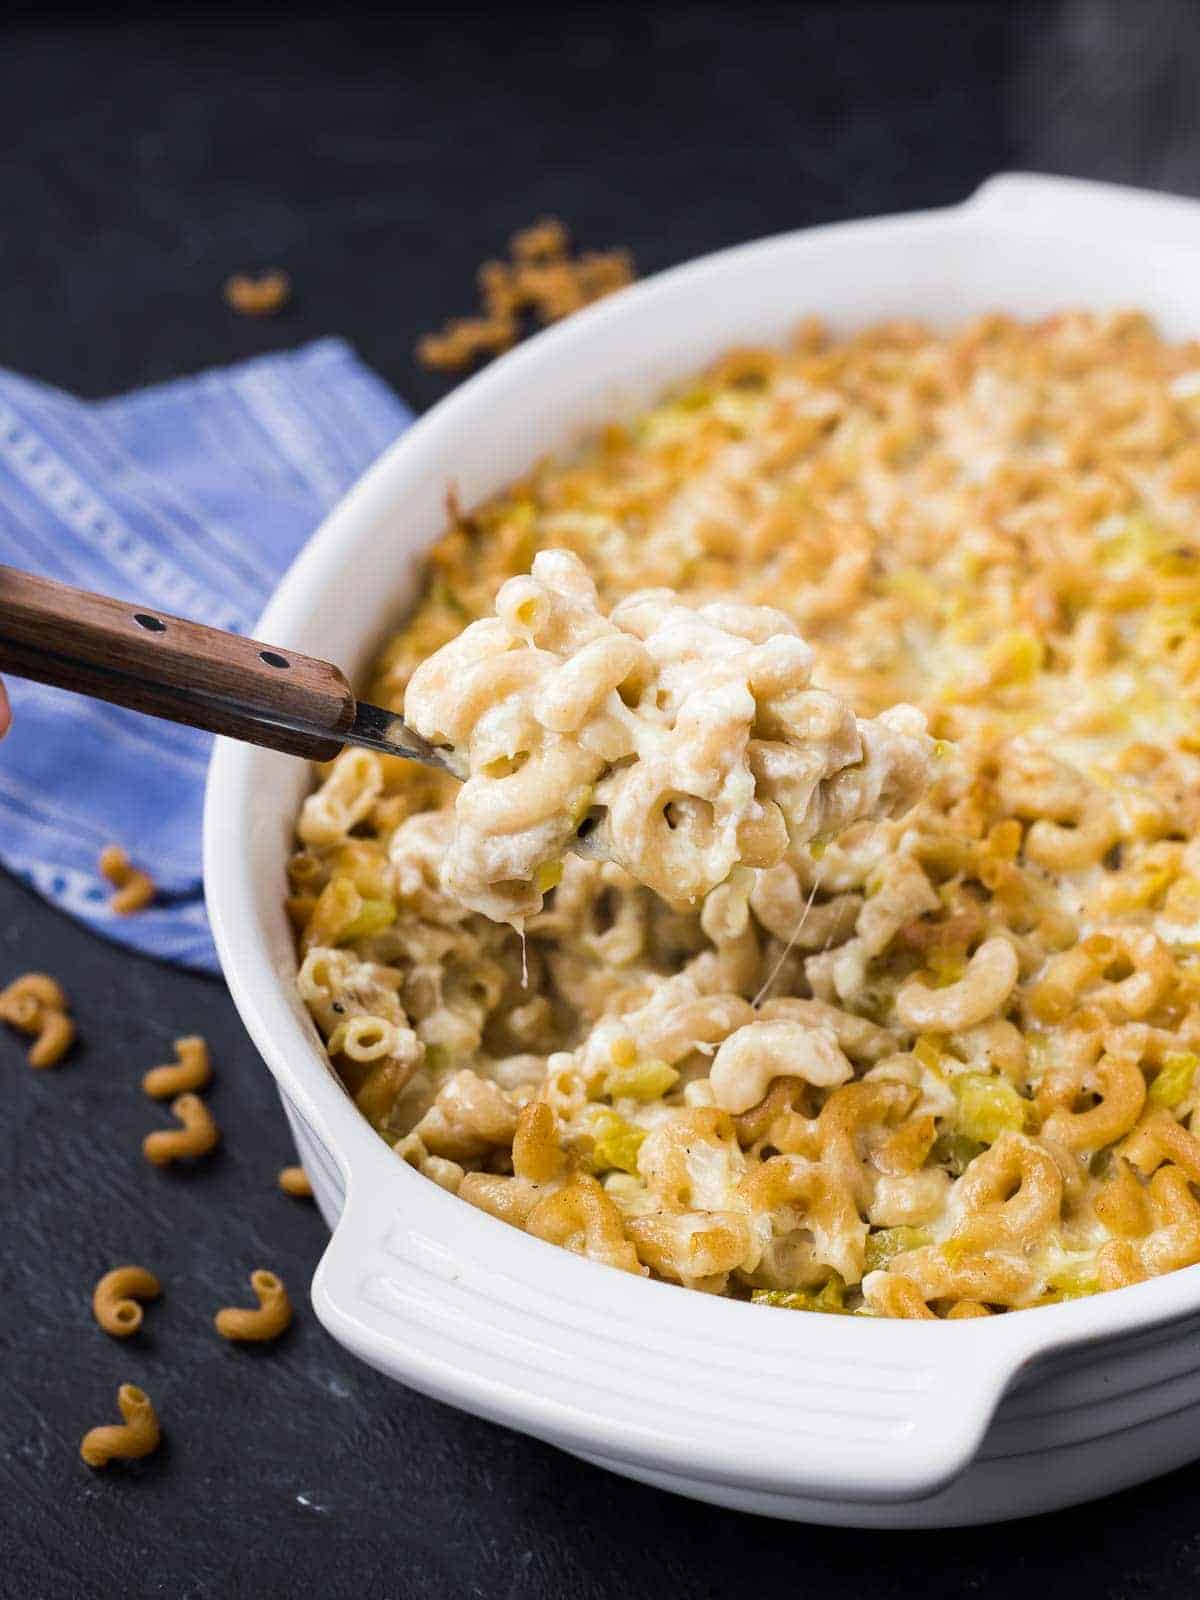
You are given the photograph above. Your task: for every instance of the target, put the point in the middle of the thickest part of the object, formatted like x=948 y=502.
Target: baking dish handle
x=1082 y=209
x=640 y=1376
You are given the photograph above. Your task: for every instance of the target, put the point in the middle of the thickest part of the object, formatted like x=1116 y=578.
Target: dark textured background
x=143 y=159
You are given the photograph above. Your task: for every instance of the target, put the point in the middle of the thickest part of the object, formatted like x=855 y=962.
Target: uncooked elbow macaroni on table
x=270 y=1318
x=137 y=1435
x=116 y=1299
x=37 y=1004
x=933 y=1065
x=686 y=740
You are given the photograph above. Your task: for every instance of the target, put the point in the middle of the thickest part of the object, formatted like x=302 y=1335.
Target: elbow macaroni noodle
x=294 y=1181
x=198 y=1135
x=137 y=1436
x=938 y=1065
x=190 y=1072
x=134 y=889
x=115 y=1299
x=267 y=1321
x=37 y=1004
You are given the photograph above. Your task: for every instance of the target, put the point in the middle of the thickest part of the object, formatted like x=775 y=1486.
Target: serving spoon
x=166 y=666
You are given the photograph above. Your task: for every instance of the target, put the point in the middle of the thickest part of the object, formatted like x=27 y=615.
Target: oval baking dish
x=855 y=1421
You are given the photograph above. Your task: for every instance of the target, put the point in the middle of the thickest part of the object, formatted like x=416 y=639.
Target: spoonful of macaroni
x=680 y=742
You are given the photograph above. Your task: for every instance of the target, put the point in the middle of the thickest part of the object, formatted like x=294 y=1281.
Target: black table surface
x=380 y=159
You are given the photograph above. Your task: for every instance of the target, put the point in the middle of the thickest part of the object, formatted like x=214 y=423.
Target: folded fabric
x=193 y=498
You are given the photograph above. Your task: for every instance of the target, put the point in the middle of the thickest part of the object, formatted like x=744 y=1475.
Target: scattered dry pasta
x=135 y=889
x=258 y=297
x=295 y=1181
x=464 y=340
x=115 y=1299
x=137 y=1436
x=272 y=1315
x=37 y=1004
x=542 y=278
x=190 y=1071
x=941 y=1066
x=198 y=1135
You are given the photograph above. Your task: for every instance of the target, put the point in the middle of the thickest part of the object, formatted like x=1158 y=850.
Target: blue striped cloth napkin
x=192 y=497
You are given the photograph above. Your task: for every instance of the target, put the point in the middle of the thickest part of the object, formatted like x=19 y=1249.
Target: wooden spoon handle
x=168 y=667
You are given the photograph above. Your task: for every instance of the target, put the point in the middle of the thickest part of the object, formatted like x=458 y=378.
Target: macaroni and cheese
x=938 y=1065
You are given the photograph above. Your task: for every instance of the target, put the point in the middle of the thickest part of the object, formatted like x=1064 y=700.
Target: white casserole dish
x=826 y=1419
